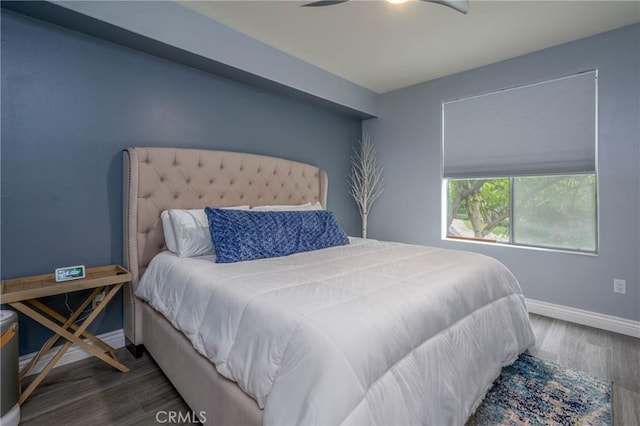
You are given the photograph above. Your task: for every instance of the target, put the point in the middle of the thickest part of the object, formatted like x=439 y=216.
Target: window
x=519 y=165
x=540 y=211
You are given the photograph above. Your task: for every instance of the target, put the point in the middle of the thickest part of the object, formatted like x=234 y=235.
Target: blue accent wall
x=71 y=103
x=169 y=30
x=407 y=135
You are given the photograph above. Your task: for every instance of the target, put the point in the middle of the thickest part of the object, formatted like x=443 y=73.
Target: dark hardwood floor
x=90 y=392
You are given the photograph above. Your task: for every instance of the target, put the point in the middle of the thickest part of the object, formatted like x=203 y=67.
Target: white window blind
x=538 y=129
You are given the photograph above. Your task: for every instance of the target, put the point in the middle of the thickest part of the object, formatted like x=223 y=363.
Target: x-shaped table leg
x=67 y=323
x=76 y=337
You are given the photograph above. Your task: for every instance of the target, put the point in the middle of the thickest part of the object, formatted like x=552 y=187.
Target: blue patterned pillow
x=240 y=235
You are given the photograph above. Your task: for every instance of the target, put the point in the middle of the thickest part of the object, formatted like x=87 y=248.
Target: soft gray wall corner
x=407 y=135
x=72 y=102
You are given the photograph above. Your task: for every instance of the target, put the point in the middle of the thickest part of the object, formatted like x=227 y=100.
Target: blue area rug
x=536 y=392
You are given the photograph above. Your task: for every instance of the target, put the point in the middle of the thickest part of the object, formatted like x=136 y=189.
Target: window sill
x=516 y=246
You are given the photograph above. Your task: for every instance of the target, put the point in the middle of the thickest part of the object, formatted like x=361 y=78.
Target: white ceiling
x=384 y=47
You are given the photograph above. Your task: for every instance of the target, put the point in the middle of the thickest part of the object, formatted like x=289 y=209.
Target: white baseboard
x=75 y=353
x=591 y=319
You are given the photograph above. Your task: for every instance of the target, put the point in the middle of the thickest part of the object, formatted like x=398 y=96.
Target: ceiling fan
x=461 y=6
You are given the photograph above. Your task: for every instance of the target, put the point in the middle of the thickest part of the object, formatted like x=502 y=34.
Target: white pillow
x=189 y=235
x=169 y=236
x=298 y=207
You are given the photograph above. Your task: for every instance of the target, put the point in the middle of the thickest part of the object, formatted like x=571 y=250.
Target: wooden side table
x=22 y=294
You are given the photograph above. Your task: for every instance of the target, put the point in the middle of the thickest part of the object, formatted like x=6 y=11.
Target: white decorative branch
x=365 y=180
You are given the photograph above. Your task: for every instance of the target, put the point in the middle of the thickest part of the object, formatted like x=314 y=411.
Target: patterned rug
x=536 y=392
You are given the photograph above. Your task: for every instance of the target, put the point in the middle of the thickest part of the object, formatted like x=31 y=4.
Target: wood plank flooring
x=90 y=392
x=603 y=354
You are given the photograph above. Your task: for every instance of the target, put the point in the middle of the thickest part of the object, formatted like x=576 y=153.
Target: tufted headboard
x=157 y=179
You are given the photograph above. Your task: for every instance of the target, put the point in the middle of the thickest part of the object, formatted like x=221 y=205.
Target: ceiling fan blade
x=325 y=3
x=461 y=6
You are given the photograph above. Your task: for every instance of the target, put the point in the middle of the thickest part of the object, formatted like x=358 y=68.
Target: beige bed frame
x=157 y=179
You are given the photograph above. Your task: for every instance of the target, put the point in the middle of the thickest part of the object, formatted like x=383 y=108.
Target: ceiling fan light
x=397 y=1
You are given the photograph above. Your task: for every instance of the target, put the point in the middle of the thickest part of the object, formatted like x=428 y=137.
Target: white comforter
x=369 y=333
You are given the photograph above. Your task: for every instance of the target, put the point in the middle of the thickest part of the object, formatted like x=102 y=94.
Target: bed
x=365 y=333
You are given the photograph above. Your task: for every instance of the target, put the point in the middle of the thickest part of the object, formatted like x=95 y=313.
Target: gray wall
x=71 y=103
x=407 y=135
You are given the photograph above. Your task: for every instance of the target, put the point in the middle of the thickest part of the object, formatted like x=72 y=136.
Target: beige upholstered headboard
x=157 y=179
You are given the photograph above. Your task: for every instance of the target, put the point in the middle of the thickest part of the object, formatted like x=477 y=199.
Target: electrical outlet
x=99 y=298
x=620 y=286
